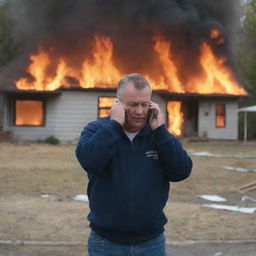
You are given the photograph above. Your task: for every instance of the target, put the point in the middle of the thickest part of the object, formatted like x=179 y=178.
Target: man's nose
x=139 y=110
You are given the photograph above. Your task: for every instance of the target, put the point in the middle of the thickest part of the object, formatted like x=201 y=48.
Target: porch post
x=245 y=126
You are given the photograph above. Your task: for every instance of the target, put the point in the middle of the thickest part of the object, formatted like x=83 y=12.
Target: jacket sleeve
x=96 y=145
x=175 y=159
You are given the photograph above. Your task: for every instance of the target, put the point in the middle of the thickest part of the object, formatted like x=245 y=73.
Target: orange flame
x=38 y=71
x=220 y=115
x=214 y=33
x=105 y=104
x=29 y=112
x=175 y=117
x=217 y=78
x=102 y=70
x=220 y=121
x=169 y=80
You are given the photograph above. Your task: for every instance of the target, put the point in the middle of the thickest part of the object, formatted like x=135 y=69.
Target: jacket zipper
x=132 y=204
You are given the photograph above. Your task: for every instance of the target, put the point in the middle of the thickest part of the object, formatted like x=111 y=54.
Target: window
x=104 y=106
x=220 y=119
x=29 y=112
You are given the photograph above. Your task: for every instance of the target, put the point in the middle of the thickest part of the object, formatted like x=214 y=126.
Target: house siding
x=31 y=133
x=1 y=110
x=5 y=116
x=69 y=112
x=66 y=115
x=73 y=111
x=206 y=120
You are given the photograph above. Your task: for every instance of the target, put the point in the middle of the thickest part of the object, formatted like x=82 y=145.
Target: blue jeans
x=98 y=246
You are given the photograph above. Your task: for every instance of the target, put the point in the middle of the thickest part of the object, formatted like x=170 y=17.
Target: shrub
x=52 y=140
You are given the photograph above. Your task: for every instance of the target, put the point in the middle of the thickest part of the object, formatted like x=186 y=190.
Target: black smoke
x=68 y=27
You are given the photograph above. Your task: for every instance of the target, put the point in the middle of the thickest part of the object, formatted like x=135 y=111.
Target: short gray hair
x=138 y=81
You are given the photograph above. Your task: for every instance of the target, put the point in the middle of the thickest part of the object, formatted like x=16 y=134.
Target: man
x=130 y=158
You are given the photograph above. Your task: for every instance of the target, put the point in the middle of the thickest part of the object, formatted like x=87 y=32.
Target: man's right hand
x=117 y=112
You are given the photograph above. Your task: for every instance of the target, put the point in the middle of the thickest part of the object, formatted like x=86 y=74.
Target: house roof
x=195 y=96
x=30 y=93
x=164 y=93
x=248 y=109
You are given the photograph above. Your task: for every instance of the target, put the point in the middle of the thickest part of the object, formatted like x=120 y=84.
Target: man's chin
x=137 y=125
x=134 y=126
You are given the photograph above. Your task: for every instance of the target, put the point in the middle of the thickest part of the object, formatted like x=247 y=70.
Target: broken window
x=104 y=106
x=220 y=119
x=29 y=112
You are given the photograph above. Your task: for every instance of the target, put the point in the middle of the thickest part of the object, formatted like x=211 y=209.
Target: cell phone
x=151 y=114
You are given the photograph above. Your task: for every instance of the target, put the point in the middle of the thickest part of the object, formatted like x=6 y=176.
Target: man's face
x=137 y=106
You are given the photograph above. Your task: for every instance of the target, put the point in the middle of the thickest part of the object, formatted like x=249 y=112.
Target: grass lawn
x=29 y=170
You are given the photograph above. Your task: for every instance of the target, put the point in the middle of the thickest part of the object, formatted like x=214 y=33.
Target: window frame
x=224 y=115
x=98 y=105
x=27 y=99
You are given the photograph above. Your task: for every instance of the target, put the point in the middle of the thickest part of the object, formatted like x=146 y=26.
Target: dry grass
x=27 y=171
x=37 y=168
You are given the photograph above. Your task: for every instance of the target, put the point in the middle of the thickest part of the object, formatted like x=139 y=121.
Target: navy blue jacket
x=129 y=181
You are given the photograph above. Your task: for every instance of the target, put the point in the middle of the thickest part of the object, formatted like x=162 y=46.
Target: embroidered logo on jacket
x=152 y=153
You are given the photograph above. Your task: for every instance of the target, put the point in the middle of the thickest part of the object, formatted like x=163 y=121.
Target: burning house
x=71 y=63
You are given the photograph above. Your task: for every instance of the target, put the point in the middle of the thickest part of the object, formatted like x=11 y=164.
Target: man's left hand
x=158 y=118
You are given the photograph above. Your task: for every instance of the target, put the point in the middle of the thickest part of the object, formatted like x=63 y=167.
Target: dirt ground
x=28 y=171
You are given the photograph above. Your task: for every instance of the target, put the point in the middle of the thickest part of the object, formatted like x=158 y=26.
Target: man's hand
x=117 y=112
x=158 y=118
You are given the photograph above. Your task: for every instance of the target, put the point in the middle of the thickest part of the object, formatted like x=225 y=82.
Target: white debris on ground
x=45 y=195
x=81 y=198
x=218 y=254
x=248 y=198
x=213 y=198
x=208 y=154
x=78 y=197
x=231 y=208
x=204 y=153
x=238 y=169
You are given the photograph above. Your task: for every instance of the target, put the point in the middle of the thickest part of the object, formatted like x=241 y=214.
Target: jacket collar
x=146 y=130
